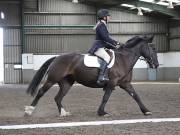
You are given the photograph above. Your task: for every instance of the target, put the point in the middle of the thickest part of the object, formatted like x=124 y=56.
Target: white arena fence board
x=170 y=59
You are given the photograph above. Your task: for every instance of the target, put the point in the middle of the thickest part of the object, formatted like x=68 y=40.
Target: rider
x=102 y=41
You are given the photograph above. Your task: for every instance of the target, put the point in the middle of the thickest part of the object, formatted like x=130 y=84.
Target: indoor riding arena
x=43 y=46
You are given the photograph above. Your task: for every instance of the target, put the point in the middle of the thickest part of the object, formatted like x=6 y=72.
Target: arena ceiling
x=167 y=8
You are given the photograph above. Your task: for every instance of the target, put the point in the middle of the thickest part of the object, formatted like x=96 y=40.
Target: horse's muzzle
x=155 y=66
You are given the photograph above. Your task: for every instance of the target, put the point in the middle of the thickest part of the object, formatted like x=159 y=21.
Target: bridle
x=148 y=60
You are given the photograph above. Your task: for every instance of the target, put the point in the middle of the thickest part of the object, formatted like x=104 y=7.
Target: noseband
x=148 y=60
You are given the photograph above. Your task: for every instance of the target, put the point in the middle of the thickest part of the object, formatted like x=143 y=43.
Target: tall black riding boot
x=102 y=74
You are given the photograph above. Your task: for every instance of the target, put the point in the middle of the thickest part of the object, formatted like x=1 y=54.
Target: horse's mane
x=132 y=42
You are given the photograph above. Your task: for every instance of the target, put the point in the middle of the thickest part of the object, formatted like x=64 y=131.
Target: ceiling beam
x=173 y=13
x=155 y=7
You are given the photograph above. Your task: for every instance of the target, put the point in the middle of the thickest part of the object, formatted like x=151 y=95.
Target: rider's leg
x=103 y=68
x=102 y=77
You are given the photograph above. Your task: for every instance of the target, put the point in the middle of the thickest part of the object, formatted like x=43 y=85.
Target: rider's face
x=107 y=18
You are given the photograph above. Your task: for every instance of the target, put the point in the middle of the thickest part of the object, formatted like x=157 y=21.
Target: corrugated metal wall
x=52 y=15
x=12 y=41
x=175 y=36
x=31 y=5
x=53 y=29
x=125 y=25
x=61 y=5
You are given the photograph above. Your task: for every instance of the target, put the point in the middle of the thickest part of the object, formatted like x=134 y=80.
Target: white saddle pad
x=92 y=61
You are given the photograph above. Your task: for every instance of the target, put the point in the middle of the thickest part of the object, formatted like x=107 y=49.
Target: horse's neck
x=132 y=54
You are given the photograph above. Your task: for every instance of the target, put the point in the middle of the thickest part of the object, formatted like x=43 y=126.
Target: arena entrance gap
x=1 y=57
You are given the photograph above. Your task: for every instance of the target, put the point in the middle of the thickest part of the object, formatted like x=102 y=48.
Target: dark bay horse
x=66 y=69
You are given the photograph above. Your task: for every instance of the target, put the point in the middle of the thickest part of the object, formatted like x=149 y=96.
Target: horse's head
x=148 y=51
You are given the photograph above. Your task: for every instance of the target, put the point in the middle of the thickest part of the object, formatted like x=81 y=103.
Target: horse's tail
x=32 y=89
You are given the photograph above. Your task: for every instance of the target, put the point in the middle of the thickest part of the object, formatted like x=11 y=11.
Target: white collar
x=94 y=28
x=104 y=22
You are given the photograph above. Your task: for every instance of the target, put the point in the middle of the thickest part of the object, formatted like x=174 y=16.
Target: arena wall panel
x=11 y=25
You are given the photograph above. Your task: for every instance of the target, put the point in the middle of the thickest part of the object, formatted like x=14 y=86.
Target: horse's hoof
x=65 y=114
x=147 y=113
x=28 y=110
x=103 y=114
x=107 y=115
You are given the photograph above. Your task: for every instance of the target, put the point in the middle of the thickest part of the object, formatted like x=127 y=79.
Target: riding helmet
x=102 y=13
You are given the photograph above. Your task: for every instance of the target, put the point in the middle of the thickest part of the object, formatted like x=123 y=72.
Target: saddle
x=94 y=61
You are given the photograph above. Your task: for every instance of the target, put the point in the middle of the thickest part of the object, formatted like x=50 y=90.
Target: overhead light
x=175 y=1
x=75 y=1
x=150 y=1
x=146 y=9
x=2 y=15
x=139 y=11
x=128 y=5
x=162 y=3
x=139 y=8
x=170 y=4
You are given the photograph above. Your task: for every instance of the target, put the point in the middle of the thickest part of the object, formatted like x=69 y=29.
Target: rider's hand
x=119 y=44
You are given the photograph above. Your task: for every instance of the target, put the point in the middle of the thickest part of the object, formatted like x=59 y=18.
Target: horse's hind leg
x=64 y=85
x=130 y=90
x=29 y=109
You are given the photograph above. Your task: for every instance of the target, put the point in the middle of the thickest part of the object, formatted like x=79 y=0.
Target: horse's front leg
x=106 y=96
x=129 y=88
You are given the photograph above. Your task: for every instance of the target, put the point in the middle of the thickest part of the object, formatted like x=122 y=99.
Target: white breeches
x=102 y=54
